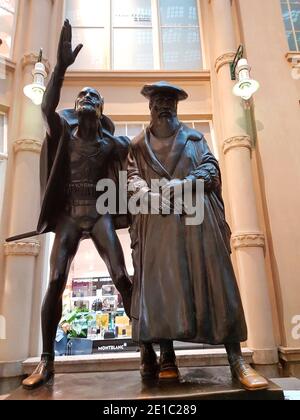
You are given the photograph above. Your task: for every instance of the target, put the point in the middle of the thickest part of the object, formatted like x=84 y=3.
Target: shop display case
x=94 y=311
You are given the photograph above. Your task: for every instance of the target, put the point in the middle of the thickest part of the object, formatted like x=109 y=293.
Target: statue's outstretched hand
x=65 y=55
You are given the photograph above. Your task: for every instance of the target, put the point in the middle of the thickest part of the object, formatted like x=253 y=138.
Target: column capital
x=224 y=59
x=32 y=58
x=28 y=145
x=237 y=141
x=248 y=240
x=22 y=248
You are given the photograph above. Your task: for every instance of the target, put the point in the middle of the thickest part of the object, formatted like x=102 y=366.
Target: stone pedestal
x=214 y=383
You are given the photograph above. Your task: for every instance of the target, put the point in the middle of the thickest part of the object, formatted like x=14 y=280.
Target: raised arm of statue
x=65 y=58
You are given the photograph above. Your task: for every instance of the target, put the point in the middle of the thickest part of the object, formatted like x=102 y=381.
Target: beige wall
x=5 y=87
x=277 y=114
x=123 y=100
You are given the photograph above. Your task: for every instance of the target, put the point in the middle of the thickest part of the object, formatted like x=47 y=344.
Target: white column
x=20 y=265
x=248 y=240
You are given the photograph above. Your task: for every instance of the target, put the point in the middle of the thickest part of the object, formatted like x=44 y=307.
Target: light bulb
x=35 y=92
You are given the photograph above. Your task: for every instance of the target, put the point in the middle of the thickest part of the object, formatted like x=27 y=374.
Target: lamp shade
x=36 y=90
x=246 y=87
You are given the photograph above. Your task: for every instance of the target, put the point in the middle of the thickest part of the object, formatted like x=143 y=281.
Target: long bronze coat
x=184 y=284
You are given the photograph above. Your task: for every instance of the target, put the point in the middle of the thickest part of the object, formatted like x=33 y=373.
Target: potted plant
x=77 y=321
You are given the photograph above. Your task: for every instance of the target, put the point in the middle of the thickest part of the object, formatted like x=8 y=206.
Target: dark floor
x=196 y=383
x=8 y=385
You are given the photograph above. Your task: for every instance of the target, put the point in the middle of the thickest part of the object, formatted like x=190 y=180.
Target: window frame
x=288 y=3
x=15 y=14
x=159 y=28
x=145 y=27
x=3 y=153
x=107 y=35
x=156 y=35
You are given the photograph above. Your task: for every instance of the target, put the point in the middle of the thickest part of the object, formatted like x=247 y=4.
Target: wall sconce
x=246 y=87
x=36 y=90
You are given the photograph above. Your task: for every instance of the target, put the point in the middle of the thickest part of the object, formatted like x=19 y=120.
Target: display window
x=94 y=320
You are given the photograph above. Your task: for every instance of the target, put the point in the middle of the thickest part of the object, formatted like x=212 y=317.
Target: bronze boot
x=149 y=367
x=168 y=366
x=248 y=377
x=43 y=373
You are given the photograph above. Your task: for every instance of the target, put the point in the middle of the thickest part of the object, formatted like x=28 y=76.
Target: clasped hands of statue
x=168 y=199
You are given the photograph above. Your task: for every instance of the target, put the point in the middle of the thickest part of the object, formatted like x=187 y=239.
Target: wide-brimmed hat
x=164 y=87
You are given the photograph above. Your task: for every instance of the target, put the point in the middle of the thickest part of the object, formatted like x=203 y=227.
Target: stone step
x=130 y=361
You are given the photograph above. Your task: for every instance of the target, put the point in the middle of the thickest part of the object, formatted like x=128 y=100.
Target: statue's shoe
x=169 y=373
x=149 y=367
x=249 y=378
x=43 y=374
x=168 y=367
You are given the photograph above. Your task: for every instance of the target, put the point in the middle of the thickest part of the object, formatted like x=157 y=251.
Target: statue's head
x=89 y=101
x=163 y=100
x=163 y=106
